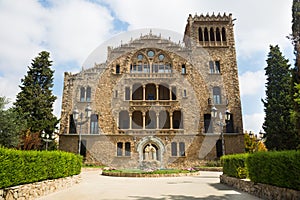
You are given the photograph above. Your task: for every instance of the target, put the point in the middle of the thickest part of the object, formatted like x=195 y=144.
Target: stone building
x=150 y=103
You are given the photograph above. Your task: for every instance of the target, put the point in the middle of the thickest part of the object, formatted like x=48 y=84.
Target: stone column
x=130 y=93
x=144 y=120
x=157 y=120
x=171 y=120
x=130 y=120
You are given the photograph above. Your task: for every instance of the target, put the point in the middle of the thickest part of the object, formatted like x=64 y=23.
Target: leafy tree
x=35 y=101
x=252 y=144
x=9 y=126
x=295 y=37
x=280 y=132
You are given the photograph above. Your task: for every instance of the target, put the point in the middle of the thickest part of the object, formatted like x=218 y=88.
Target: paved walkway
x=94 y=186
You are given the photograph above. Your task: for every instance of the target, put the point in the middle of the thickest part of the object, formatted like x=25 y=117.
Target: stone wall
x=263 y=191
x=37 y=189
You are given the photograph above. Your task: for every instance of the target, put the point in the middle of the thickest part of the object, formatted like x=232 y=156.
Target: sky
x=72 y=29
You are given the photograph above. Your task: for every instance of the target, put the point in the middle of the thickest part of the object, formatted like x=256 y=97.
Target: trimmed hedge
x=234 y=165
x=280 y=169
x=20 y=167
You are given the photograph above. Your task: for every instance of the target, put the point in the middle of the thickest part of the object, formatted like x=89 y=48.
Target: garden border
x=37 y=189
x=260 y=190
x=141 y=175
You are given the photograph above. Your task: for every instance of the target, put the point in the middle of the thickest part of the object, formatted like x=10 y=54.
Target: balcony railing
x=149 y=75
x=150 y=131
x=152 y=102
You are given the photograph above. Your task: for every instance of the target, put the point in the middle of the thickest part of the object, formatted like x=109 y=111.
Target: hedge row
x=20 y=167
x=234 y=165
x=280 y=169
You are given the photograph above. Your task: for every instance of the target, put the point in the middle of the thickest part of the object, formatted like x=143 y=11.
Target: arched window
x=223 y=34
x=164 y=119
x=212 y=34
x=150 y=92
x=137 y=91
x=164 y=92
x=151 y=119
x=177 y=120
x=137 y=120
x=82 y=94
x=72 y=125
x=217 y=67
x=94 y=124
x=218 y=34
x=200 y=34
x=174 y=148
x=205 y=34
x=127 y=149
x=88 y=93
x=217 y=95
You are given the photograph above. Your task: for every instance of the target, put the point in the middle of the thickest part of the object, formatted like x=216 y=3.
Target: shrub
x=234 y=165
x=20 y=167
x=281 y=169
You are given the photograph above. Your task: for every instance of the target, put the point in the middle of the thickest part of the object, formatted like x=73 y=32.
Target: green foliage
x=34 y=102
x=10 y=126
x=234 y=165
x=20 y=167
x=280 y=132
x=281 y=169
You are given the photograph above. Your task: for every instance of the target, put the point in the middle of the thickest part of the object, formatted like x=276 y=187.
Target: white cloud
x=253 y=122
x=252 y=83
x=70 y=30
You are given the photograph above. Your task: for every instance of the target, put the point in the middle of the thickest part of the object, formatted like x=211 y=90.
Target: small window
x=200 y=34
x=217 y=67
x=211 y=67
x=120 y=149
x=174 y=148
x=94 y=124
x=117 y=69
x=217 y=95
x=181 y=149
x=184 y=93
x=127 y=149
x=88 y=94
x=183 y=69
x=223 y=34
x=127 y=93
x=82 y=94
x=212 y=34
x=116 y=94
x=205 y=34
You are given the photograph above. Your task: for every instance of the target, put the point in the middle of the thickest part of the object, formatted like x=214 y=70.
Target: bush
x=20 y=167
x=281 y=169
x=234 y=165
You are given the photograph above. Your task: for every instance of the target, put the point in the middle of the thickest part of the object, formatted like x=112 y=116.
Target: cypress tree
x=34 y=102
x=295 y=37
x=280 y=132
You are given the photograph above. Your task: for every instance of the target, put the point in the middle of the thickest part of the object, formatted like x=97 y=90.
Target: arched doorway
x=151 y=150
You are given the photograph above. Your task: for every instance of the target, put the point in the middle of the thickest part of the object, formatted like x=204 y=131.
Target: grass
x=151 y=171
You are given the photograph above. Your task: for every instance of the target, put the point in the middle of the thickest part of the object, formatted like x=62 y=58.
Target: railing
x=149 y=75
x=152 y=102
x=150 y=131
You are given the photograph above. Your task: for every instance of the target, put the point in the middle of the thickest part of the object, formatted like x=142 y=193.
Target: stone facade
x=152 y=100
x=38 y=189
